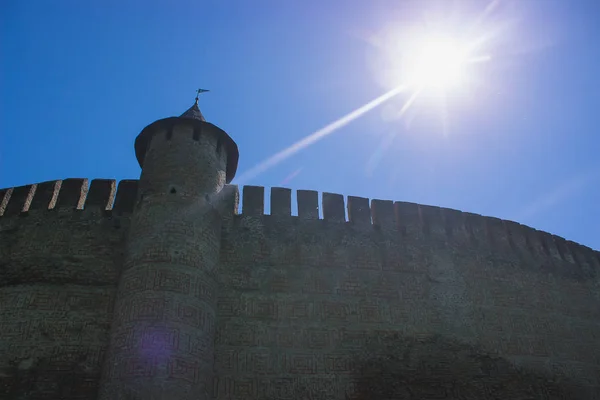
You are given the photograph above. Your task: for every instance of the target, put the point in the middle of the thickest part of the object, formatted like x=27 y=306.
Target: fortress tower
x=163 y=288
x=164 y=321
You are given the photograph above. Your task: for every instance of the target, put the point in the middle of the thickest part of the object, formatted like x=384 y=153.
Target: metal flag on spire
x=194 y=111
x=198 y=91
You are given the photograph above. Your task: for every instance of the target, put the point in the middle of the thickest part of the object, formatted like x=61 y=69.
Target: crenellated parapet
x=311 y=279
x=61 y=249
x=64 y=231
x=70 y=194
x=397 y=220
x=435 y=226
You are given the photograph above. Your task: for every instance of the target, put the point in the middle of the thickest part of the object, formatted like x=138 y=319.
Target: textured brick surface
x=58 y=277
x=163 y=291
x=162 y=335
x=424 y=303
x=315 y=310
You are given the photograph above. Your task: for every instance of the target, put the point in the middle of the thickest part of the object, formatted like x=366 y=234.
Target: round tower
x=162 y=337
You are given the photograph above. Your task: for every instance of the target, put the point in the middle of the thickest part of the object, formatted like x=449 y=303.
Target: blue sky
x=520 y=141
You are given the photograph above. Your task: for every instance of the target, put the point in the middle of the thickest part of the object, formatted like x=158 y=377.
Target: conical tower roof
x=194 y=112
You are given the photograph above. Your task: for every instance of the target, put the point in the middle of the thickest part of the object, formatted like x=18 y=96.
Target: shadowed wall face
x=59 y=269
x=163 y=327
x=402 y=301
x=428 y=303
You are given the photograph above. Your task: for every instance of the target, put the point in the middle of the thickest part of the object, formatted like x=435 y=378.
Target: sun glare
x=426 y=62
x=437 y=63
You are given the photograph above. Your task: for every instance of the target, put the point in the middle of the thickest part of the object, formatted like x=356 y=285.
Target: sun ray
x=291 y=176
x=316 y=136
x=444 y=114
x=479 y=59
x=387 y=140
x=410 y=101
x=423 y=59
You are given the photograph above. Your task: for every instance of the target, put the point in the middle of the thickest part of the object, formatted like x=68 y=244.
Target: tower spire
x=194 y=111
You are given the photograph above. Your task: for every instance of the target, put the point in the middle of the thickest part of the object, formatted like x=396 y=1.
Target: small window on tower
x=219 y=145
x=197 y=134
x=169 y=133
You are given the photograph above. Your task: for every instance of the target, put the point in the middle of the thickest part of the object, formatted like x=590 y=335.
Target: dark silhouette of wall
x=400 y=301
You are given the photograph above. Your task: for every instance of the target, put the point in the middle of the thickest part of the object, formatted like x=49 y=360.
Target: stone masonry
x=163 y=289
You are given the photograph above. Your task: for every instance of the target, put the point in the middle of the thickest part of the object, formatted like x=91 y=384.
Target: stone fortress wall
x=59 y=270
x=402 y=301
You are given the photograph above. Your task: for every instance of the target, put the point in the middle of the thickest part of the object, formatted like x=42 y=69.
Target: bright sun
x=436 y=63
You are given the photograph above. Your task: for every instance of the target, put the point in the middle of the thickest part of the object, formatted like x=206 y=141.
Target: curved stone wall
x=396 y=300
x=401 y=301
x=163 y=327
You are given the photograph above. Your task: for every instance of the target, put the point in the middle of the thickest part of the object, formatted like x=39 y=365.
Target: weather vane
x=198 y=91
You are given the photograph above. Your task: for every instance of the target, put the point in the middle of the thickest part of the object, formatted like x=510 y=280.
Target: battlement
x=416 y=222
x=69 y=194
x=401 y=220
